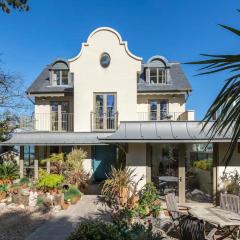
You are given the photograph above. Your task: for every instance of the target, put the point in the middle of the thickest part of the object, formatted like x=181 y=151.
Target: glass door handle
x=180 y=179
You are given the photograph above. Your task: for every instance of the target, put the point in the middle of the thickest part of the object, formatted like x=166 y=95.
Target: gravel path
x=59 y=227
x=17 y=223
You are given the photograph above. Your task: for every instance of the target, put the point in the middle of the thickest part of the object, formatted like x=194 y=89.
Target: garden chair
x=173 y=211
x=230 y=202
x=179 y=219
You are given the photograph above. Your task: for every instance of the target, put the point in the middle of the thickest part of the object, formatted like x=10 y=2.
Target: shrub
x=92 y=229
x=98 y=230
x=9 y=171
x=75 y=173
x=3 y=188
x=24 y=180
x=57 y=163
x=204 y=164
x=50 y=181
x=149 y=202
x=117 y=186
x=72 y=193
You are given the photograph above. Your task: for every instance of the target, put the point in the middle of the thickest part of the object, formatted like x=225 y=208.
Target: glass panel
x=163 y=110
x=65 y=116
x=54 y=116
x=165 y=168
x=29 y=155
x=199 y=173
x=64 y=77
x=153 y=110
x=110 y=111
x=153 y=75
x=161 y=75
x=99 y=114
x=57 y=74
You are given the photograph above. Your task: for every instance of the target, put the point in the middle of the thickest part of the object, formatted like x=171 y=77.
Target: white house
x=108 y=101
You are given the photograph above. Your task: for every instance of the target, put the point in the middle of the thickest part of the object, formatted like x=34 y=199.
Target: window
x=61 y=119
x=60 y=77
x=105 y=111
x=157 y=75
x=158 y=110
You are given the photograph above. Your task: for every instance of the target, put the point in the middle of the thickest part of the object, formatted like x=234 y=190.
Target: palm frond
x=227 y=103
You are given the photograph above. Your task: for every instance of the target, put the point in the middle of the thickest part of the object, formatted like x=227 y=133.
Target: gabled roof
x=165 y=132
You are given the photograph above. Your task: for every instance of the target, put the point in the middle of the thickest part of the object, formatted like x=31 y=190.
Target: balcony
x=53 y=122
x=166 y=116
x=104 y=121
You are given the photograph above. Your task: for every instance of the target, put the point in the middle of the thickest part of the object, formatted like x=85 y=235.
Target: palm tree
x=226 y=106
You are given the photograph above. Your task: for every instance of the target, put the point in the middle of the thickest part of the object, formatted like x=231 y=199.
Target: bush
x=24 y=180
x=3 y=188
x=9 y=171
x=98 y=230
x=92 y=229
x=50 y=181
x=72 y=193
x=149 y=202
x=204 y=164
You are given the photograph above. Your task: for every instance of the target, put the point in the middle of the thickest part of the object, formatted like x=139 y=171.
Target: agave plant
x=117 y=186
x=9 y=171
x=226 y=106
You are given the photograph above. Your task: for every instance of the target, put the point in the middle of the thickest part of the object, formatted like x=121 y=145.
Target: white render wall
x=136 y=159
x=90 y=77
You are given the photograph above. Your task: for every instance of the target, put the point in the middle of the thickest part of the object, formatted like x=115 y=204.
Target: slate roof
x=177 y=81
x=55 y=138
x=163 y=131
x=42 y=85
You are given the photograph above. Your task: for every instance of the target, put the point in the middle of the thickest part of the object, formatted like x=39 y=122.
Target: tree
x=20 y=5
x=226 y=106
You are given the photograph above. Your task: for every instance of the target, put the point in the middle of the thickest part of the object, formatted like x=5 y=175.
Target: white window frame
x=163 y=76
x=54 y=78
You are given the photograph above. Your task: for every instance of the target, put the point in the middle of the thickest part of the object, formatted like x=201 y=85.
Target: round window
x=105 y=60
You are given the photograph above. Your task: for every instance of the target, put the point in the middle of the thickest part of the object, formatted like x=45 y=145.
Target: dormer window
x=156 y=75
x=60 y=75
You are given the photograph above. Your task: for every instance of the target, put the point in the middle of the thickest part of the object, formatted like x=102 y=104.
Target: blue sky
x=178 y=29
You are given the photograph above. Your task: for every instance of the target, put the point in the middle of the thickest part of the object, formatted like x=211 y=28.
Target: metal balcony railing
x=104 y=121
x=55 y=122
x=162 y=116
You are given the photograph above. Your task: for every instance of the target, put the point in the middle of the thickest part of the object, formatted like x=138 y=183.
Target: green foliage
x=117 y=181
x=3 y=188
x=149 y=202
x=99 y=230
x=50 y=181
x=90 y=230
x=71 y=193
x=6 y=5
x=24 y=180
x=9 y=171
x=231 y=181
x=75 y=173
x=40 y=201
x=57 y=163
x=204 y=164
x=226 y=106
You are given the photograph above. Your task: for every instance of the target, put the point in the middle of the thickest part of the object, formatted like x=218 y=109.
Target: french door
x=158 y=110
x=105 y=114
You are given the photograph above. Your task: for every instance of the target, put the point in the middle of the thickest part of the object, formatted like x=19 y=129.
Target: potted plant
x=72 y=194
x=8 y=172
x=24 y=182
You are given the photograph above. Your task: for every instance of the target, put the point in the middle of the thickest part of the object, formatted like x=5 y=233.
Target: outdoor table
x=218 y=217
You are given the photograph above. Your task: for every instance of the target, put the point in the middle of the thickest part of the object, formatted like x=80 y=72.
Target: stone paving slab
x=65 y=221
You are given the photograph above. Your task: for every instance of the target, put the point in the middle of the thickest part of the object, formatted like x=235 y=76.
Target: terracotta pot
x=74 y=200
x=24 y=186
x=64 y=205
x=3 y=195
